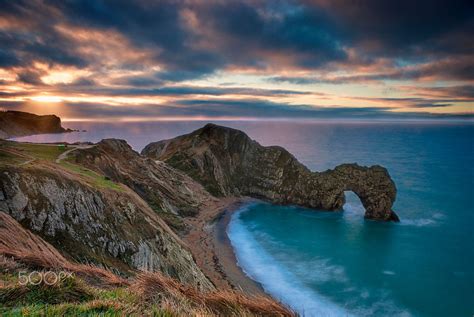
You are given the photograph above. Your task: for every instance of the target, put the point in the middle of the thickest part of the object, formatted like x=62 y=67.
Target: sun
x=47 y=98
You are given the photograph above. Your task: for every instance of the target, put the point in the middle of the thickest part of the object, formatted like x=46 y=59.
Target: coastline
x=212 y=249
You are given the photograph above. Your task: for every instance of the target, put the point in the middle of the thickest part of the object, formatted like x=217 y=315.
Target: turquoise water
x=336 y=264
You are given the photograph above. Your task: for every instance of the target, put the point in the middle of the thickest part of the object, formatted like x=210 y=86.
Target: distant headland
x=18 y=123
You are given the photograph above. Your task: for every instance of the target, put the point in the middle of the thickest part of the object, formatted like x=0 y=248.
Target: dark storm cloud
x=401 y=28
x=272 y=28
x=155 y=25
x=252 y=108
x=431 y=105
x=294 y=80
x=8 y=58
x=146 y=48
x=429 y=102
x=453 y=69
x=242 y=33
x=33 y=37
x=30 y=77
x=22 y=48
x=257 y=34
x=140 y=81
x=460 y=92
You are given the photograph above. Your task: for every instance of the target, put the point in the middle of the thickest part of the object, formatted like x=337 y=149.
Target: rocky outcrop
x=227 y=163
x=164 y=188
x=115 y=229
x=16 y=239
x=17 y=123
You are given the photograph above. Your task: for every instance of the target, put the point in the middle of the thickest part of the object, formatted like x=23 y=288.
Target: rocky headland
x=228 y=163
x=18 y=123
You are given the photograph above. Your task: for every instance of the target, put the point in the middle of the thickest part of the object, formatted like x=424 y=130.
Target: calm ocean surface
x=337 y=264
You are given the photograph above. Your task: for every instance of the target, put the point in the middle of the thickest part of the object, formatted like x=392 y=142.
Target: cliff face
x=165 y=189
x=17 y=123
x=227 y=162
x=111 y=228
x=87 y=290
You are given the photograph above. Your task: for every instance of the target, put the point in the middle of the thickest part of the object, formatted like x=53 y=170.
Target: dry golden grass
x=145 y=294
x=156 y=288
x=24 y=246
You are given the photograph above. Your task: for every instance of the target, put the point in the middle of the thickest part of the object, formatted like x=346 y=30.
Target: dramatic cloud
x=225 y=56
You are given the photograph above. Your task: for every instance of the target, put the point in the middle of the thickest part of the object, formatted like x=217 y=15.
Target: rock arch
x=228 y=163
x=373 y=185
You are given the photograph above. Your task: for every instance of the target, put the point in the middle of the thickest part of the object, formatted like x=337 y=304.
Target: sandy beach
x=211 y=247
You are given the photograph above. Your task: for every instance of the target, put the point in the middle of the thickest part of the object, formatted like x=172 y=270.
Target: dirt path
x=27 y=162
x=64 y=155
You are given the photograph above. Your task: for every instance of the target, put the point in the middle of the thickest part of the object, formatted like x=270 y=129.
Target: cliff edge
x=228 y=163
x=18 y=123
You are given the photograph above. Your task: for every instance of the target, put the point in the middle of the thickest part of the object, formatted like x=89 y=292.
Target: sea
x=336 y=263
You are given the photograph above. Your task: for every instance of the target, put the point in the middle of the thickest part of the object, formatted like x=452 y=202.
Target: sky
x=247 y=60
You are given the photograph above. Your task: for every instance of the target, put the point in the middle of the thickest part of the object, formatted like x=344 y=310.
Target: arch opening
x=352 y=204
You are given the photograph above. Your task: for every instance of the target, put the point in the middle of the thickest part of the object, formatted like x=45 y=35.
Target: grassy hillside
x=18 y=154
x=87 y=290
x=36 y=280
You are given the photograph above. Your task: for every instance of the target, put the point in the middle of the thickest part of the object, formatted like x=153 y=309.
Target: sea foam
x=259 y=265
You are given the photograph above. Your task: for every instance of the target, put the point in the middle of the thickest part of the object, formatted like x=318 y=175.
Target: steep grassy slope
x=168 y=191
x=91 y=291
x=109 y=226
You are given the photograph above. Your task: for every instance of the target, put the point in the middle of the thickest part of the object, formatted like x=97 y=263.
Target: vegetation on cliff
x=228 y=163
x=83 y=215
x=91 y=291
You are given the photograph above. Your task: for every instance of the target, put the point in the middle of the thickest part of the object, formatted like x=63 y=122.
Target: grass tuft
x=65 y=291
x=156 y=288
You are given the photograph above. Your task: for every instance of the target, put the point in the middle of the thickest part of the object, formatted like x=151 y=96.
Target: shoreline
x=226 y=255
x=212 y=249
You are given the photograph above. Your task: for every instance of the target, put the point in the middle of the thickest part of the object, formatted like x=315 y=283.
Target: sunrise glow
x=242 y=60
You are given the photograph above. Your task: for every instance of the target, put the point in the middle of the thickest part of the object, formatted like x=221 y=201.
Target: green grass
x=85 y=309
x=120 y=293
x=95 y=178
x=92 y=308
x=171 y=220
x=67 y=290
x=50 y=153
x=40 y=151
x=71 y=297
x=27 y=152
x=7 y=158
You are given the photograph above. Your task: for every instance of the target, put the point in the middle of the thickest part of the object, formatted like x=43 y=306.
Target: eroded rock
x=228 y=163
x=163 y=187
x=111 y=228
